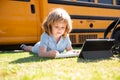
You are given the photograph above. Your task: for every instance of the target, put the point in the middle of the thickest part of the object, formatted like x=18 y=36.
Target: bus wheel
x=116 y=48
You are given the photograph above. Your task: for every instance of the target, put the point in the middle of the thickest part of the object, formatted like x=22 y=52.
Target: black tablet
x=97 y=48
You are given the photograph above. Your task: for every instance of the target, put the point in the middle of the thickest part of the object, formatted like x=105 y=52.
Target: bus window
x=105 y=1
x=87 y=0
x=118 y=2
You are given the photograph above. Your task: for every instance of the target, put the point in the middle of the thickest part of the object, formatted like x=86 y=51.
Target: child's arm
x=44 y=53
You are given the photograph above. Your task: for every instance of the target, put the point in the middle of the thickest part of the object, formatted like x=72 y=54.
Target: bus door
x=19 y=22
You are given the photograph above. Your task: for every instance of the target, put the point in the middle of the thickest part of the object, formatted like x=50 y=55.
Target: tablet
x=97 y=48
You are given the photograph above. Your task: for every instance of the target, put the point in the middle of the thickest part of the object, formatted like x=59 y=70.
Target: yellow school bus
x=20 y=20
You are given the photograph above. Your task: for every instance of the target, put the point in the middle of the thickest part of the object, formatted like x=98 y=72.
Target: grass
x=18 y=65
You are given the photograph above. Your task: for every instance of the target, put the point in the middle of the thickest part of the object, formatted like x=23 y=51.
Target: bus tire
x=116 y=48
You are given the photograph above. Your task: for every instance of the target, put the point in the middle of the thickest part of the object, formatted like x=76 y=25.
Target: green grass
x=26 y=66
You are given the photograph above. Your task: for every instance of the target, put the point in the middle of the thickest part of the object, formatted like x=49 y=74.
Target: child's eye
x=63 y=27
x=56 y=26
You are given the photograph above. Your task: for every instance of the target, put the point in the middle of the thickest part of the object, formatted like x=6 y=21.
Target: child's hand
x=53 y=53
x=76 y=51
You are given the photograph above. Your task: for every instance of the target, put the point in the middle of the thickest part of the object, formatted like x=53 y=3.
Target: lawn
x=18 y=65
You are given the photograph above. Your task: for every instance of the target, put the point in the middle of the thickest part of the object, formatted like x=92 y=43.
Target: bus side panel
x=18 y=24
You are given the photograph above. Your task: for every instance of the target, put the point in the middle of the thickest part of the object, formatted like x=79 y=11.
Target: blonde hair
x=56 y=15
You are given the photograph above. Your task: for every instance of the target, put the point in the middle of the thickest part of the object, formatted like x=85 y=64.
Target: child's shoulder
x=44 y=35
x=67 y=37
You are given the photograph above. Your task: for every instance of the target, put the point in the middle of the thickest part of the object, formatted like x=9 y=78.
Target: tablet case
x=96 y=49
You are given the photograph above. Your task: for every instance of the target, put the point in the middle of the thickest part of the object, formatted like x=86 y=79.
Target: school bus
x=20 y=20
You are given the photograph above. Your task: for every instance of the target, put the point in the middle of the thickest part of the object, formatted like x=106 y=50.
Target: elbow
x=50 y=54
x=40 y=54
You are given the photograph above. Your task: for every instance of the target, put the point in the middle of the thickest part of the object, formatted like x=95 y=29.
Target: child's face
x=58 y=28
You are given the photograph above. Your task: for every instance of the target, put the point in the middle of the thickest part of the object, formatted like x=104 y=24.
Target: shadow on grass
x=11 y=51
x=32 y=58
x=89 y=60
x=97 y=60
